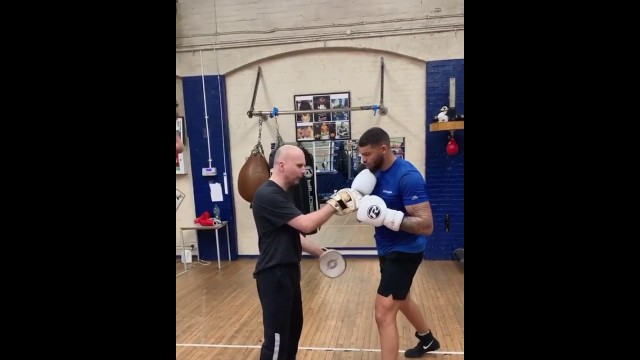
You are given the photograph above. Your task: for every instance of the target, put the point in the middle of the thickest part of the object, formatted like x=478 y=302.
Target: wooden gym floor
x=218 y=315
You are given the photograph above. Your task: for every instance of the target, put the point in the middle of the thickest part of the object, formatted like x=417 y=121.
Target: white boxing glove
x=372 y=210
x=345 y=201
x=364 y=182
x=393 y=219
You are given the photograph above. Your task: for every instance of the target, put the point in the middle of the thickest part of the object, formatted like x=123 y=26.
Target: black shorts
x=397 y=270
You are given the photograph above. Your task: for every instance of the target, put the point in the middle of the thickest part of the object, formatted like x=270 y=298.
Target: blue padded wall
x=199 y=151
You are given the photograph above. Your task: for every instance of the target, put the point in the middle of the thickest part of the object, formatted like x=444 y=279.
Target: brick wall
x=444 y=173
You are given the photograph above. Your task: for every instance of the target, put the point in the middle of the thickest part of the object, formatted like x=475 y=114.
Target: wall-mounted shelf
x=445 y=126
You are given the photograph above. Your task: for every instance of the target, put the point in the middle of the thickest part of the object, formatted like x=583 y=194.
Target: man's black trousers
x=281 y=300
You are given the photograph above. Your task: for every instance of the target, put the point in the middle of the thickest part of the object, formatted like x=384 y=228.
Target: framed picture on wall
x=323 y=126
x=397 y=146
x=180 y=165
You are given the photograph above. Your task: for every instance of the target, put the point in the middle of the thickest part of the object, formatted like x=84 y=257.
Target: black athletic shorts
x=397 y=270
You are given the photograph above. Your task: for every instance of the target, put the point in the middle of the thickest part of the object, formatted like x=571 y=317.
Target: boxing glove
x=345 y=201
x=393 y=219
x=372 y=210
x=364 y=182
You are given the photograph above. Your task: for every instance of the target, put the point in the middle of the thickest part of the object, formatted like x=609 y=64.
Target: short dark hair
x=374 y=136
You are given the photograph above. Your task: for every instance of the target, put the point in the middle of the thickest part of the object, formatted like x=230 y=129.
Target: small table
x=215 y=227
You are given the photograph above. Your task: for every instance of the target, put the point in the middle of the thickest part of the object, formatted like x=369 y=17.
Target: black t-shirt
x=278 y=242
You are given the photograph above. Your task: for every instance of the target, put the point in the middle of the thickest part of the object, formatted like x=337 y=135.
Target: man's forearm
x=310 y=247
x=322 y=215
x=416 y=225
x=310 y=222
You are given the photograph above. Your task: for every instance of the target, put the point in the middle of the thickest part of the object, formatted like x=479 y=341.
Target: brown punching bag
x=254 y=172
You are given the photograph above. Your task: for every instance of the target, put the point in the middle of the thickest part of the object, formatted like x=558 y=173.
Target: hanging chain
x=258 y=148
x=381 y=81
x=279 y=141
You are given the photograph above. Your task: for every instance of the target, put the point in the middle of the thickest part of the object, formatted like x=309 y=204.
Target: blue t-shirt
x=400 y=185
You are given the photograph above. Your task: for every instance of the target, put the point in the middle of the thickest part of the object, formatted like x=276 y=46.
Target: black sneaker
x=427 y=343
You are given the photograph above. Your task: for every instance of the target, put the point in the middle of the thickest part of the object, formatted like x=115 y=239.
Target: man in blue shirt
x=399 y=209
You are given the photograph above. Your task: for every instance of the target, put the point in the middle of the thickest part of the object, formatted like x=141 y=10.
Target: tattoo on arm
x=419 y=219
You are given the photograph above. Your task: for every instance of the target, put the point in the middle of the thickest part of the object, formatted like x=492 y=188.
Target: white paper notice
x=216 y=192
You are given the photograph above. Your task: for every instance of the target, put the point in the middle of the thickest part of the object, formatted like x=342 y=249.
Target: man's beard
x=376 y=166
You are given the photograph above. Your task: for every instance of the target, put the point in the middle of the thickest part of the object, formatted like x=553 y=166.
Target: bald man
x=281 y=226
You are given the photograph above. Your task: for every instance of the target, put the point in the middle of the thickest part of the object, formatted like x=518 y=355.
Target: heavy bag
x=254 y=172
x=274 y=148
x=304 y=194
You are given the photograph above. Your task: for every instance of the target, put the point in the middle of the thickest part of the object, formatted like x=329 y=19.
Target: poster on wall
x=321 y=126
x=180 y=166
x=397 y=146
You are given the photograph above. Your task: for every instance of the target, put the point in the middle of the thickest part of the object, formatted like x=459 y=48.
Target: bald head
x=286 y=152
x=288 y=166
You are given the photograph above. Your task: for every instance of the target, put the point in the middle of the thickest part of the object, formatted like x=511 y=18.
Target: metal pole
x=276 y=112
x=255 y=92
